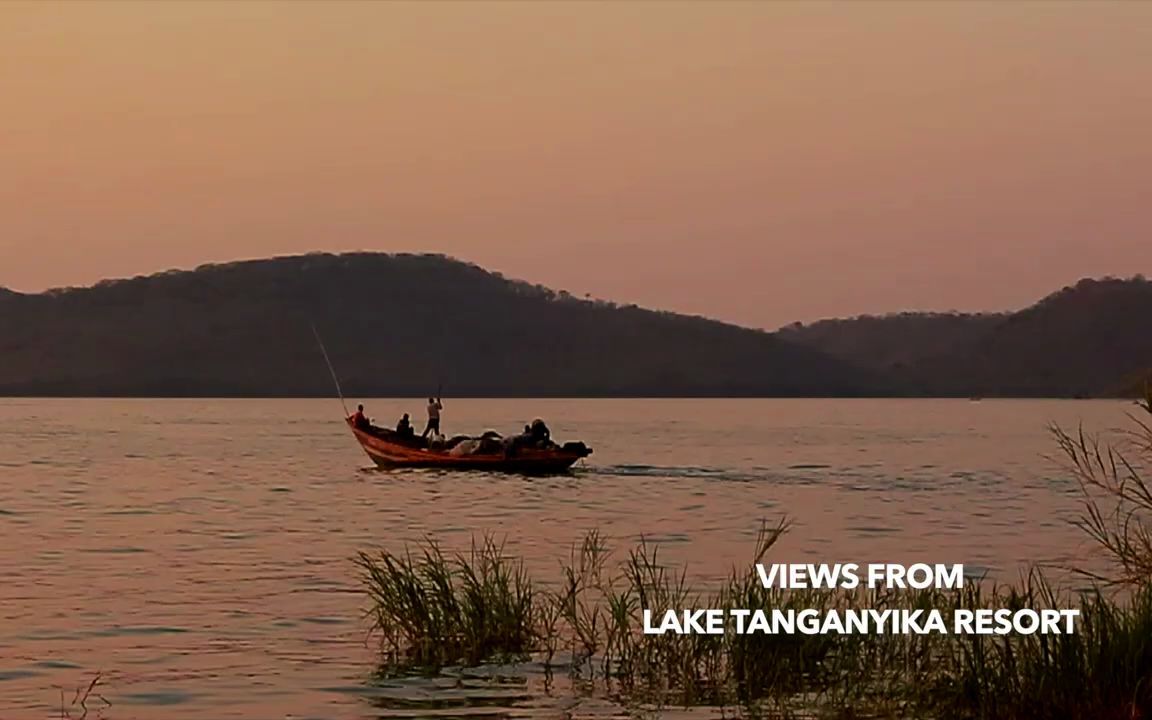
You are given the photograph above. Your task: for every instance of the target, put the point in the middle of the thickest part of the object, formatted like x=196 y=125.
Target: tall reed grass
x=431 y=607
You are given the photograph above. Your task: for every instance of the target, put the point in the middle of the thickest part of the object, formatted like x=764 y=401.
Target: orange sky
x=757 y=162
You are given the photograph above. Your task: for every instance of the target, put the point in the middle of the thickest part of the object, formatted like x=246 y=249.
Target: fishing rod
x=331 y=369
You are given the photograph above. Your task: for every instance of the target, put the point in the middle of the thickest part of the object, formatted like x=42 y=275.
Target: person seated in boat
x=535 y=435
x=404 y=427
x=360 y=421
x=434 y=408
x=541 y=435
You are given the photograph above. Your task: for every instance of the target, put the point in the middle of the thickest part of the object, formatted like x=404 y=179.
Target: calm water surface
x=196 y=552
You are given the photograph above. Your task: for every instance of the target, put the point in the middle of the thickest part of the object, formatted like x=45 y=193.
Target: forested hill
x=891 y=343
x=1092 y=339
x=406 y=324
x=394 y=325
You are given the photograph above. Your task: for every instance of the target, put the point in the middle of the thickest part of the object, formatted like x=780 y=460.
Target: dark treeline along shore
x=400 y=325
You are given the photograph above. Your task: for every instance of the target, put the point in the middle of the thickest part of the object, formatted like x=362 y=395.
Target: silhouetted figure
x=541 y=435
x=404 y=427
x=434 y=408
x=360 y=420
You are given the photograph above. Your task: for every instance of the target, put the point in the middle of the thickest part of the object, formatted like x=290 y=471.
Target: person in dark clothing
x=404 y=427
x=541 y=435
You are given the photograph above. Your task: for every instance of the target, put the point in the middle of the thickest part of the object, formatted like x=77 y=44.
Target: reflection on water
x=197 y=552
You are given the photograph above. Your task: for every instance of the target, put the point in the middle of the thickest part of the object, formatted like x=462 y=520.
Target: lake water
x=196 y=553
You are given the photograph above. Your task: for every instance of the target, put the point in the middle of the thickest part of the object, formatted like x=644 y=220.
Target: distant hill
x=394 y=325
x=892 y=343
x=405 y=324
x=1093 y=339
x=1088 y=340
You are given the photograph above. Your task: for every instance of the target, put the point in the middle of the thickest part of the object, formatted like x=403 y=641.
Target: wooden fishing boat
x=388 y=449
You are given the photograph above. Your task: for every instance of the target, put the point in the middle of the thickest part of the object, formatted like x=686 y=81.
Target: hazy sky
x=759 y=162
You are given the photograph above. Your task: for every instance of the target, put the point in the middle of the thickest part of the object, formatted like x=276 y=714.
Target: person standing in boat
x=434 y=408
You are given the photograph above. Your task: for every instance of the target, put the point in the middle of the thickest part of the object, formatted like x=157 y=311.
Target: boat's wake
x=627 y=470
x=678 y=471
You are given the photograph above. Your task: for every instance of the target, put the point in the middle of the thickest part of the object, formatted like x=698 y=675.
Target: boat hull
x=388 y=454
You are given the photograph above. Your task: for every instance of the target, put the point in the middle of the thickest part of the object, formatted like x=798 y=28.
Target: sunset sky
x=755 y=162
